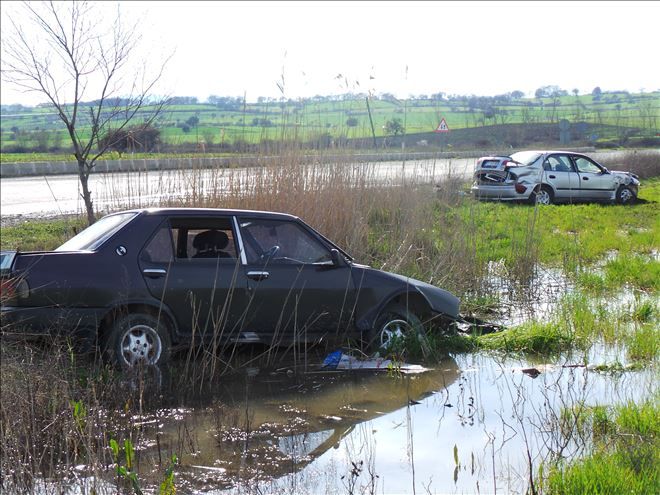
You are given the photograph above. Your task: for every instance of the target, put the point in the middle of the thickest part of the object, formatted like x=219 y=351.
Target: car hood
x=440 y=300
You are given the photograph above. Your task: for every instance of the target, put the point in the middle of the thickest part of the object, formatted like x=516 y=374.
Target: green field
x=326 y=121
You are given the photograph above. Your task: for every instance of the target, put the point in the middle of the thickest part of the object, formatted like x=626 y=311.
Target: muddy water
x=471 y=424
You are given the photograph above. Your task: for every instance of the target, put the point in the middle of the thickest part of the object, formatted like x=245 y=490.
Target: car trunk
x=494 y=171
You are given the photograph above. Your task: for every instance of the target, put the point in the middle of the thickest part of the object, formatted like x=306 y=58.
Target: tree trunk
x=83 y=174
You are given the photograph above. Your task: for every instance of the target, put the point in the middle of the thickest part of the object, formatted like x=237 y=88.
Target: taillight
x=520 y=188
x=12 y=289
x=7 y=289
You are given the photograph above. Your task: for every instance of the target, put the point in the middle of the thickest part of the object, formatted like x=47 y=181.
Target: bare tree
x=86 y=73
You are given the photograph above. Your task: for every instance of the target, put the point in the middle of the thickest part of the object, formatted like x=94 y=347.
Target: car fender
x=153 y=305
x=370 y=305
x=367 y=319
x=532 y=177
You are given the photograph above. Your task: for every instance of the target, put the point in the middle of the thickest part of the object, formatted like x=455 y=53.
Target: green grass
x=530 y=337
x=572 y=237
x=577 y=323
x=634 y=270
x=643 y=343
x=625 y=455
x=39 y=235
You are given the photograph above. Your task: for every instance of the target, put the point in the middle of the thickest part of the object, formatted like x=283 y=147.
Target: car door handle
x=585 y=178
x=154 y=272
x=258 y=275
x=551 y=177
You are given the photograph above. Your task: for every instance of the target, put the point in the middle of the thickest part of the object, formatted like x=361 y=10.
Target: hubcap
x=626 y=195
x=140 y=344
x=542 y=197
x=394 y=329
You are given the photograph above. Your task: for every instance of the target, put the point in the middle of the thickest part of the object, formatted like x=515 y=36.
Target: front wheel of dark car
x=137 y=339
x=625 y=195
x=394 y=325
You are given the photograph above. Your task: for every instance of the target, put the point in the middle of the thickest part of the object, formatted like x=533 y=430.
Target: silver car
x=547 y=177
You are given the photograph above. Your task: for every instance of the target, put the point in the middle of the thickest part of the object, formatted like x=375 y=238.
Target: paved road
x=54 y=195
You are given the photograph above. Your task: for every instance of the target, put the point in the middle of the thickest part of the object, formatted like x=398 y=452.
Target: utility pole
x=373 y=131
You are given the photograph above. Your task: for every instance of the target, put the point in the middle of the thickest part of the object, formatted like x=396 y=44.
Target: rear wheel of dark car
x=542 y=196
x=625 y=195
x=393 y=326
x=137 y=339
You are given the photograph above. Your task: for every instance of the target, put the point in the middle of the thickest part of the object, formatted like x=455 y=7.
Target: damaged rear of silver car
x=508 y=178
x=547 y=177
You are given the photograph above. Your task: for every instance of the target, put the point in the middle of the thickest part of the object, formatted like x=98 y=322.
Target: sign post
x=442 y=128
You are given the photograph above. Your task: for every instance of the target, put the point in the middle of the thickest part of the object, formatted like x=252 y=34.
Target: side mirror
x=337 y=259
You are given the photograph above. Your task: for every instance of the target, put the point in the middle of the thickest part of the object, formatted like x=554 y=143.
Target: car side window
x=585 y=165
x=203 y=238
x=281 y=242
x=558 y=163
x=160 y=248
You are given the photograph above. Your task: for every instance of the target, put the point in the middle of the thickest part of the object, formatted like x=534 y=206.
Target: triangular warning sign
x=442 y=126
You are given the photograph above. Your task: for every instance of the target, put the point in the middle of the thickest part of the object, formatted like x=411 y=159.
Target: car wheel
x=394 y=323
x=544 y=196
x=136 y=339
x=625 y=195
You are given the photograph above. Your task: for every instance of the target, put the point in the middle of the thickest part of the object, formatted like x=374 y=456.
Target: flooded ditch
x=480 y=422
x=471 y=424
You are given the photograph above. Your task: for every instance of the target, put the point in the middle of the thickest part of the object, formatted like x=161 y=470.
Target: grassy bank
x=624 y=457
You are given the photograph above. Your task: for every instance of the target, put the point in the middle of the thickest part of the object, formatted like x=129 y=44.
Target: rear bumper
x=29 y=321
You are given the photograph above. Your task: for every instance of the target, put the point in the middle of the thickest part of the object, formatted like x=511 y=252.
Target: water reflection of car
x=141 y=282
x=547 y=177
x=268 y=424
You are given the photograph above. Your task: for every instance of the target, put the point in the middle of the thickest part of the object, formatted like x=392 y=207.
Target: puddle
x=470 y=424
x=465 y=426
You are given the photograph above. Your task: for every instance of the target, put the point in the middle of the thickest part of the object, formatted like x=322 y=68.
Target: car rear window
x=490 y=163
x=526 y=157
x=96 y=234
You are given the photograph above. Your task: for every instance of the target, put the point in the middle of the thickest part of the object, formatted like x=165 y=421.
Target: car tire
x=394 y=321
x=137 y=338
x=625 y=195
x=544 y=196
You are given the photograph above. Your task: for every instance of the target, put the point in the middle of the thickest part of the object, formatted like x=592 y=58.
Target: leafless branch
x=75 y=57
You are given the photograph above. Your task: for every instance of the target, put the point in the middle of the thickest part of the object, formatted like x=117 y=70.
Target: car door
x=595 y=182
x=560 y=174
x=296 y=291
x=192 y=265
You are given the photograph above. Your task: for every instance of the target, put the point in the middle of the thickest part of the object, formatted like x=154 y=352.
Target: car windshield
x=526 y=157
x=96 y=234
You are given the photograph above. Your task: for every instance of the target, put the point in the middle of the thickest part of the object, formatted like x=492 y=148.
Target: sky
x=403 y=48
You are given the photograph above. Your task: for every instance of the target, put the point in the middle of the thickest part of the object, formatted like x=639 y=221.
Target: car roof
x=541 y=152
x=548 y=152
x=212 y=212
